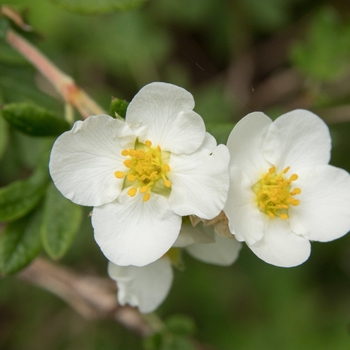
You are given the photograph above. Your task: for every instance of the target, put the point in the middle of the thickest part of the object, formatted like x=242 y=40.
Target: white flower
x=143 y=286
x=147 y=286
x=283 y=193
x=143 y=174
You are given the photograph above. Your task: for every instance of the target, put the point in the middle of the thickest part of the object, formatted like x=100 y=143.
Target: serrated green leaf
x=60 y=223
x=33 y=120
x=20 y=243
x=118 y=108
x=101 y=6
x=20 y=197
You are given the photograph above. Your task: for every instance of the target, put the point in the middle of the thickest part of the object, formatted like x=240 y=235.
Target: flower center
x=274 y=193
x=146 y=166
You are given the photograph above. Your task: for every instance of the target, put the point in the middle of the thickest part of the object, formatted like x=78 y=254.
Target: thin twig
x=92 y=297
x=64 y=84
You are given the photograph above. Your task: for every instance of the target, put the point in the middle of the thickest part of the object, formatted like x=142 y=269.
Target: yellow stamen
x=128 y=163
x=143 y=189
x=274 y=193
x=167 y=183
x=146 y=197
x=132 y=191
x=294 y=177
x=119 y=174
x=146 y=166
x=148 y=143
x=131 y=177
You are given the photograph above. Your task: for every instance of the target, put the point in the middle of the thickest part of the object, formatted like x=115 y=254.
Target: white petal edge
x=132 y=232
x=324 y=210
x=280 y=246
x=200 y=182
x=194 y=234
x=245 y=219
x=223 y=252
x=84 y=159
x=163 y=113
x=145 y=287
x=245 y=144
x=298 y=139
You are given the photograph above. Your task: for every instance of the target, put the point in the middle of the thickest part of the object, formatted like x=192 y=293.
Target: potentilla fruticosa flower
x=143 y=174
x=147 y=286
x=283 y=193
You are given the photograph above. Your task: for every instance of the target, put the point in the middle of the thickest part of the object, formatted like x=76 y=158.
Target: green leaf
x=34 y=120
x=3 y=136
x=101 y=6
x=180 y=325
x=20 y=243
x=4 y=27
x=118 y=108
x=325 y=53
x=60 y=223
x=20 y=197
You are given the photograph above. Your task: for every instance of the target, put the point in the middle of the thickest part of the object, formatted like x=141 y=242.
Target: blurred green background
x=235 y=57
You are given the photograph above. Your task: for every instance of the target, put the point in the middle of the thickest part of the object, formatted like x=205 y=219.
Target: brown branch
x=92 y=297
x=64 y=84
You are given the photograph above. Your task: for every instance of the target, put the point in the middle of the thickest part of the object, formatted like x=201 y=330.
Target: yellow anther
x=143 y=189
x=132 y=152
x=131 y=177
x=295 y=191
x=119 y=174
x=274 y=193
x=146 y=168
x=146 y=197
x=128 y=163
x=140 y=154
x=294 y=177
x=132 y=191
x=167 y=183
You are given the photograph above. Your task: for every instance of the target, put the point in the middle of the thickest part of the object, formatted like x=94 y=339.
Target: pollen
x=147 y=168
x=274 y=193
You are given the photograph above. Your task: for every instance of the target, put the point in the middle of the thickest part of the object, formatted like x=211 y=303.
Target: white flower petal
x=132 y=232
x=297 y=139
x=223 y=252
x=199 y=182
x=245 y=144
x=281 y=247
x=324 y=210
x=194 y=234
x=163 y=113
x=84 y=159
x=241 y=209
x=145 y=287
